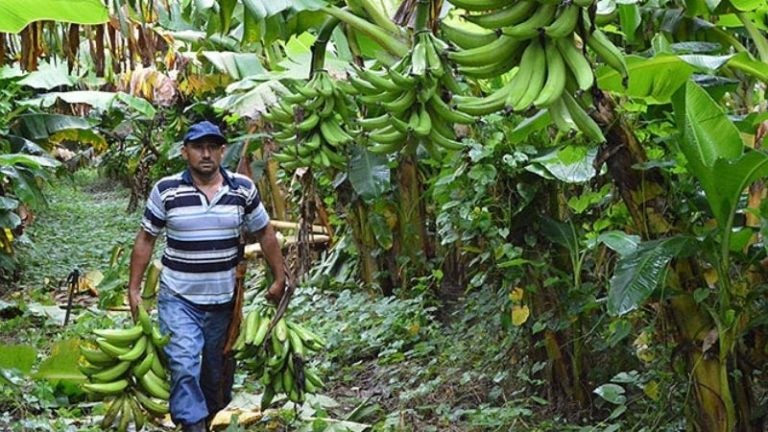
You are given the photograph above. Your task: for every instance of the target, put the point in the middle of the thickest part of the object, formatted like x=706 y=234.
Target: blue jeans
x=195 y=358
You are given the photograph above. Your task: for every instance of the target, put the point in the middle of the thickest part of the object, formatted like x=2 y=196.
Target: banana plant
x=717 y=157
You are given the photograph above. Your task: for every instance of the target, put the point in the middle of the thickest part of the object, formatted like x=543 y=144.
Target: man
x=203 y=210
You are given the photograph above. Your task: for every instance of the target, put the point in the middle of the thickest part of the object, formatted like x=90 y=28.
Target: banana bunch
x=126 y=366
x=538 y=41
x=407 y=100
x=310 y=124
x=278 y=358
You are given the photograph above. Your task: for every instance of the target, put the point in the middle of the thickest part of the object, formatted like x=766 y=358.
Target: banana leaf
x=369 y=174
x=236 y=65
x=638 y=274
x=48 y=76
x=655 y=80
x=16 y=14
x=41 y=126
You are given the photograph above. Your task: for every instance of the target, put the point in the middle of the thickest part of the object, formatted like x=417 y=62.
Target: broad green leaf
x=138 y=104
x=560 y=233
x=743 y=62
x=655 y=79
x=226 y=8
x=7 y=203
x=382 y=232
x=570 y=164
x=747 y=5
x=708 y=62
x=619 y=241
x=97 y=99
x=28 y=160
x=299 y=44
x=16 y=14
x=612 y=393
x=48 y=76
x=369 y=174
x=630 y=19
x=20 y=357
x=530 y=125
x=41 y=126
x=23 y=185
x=203 y=5
x=9 y=219
x=708 y=134
x=237 y=65
x=757 y=38
x=253 y=102
x=638 y=274
x=729 y=179
x=62 y=363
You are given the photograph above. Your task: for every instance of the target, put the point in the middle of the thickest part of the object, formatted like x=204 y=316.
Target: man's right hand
x=134 y=300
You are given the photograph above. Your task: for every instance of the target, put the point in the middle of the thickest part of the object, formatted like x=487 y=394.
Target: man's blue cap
x=204 y=129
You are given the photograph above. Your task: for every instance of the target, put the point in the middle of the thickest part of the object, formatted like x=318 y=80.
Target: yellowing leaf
x=642 y=348
x=520 y=314
x=516 y=295
x=414 y=329
x=651 y=389
x=710 y=275
x=92 y=279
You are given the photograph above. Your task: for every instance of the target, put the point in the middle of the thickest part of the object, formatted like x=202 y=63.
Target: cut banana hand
x=279 y=357
x=126 y=366
x=541 y=42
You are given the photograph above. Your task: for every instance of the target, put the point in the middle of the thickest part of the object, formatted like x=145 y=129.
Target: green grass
x=84 y=220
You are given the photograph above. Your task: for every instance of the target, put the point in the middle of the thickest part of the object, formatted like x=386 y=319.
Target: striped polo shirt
x=202 y=247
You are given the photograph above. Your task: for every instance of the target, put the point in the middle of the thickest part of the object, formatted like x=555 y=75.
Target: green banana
x=154 y=385
x=145 y=364
x=110 y=388
x=434 y=62
x=137 y=350
x=532 y=63
x=111 y=374
x=479 y=5
x=308 y=123
x=334 y=134
x=424 y=125
x=565 y=23
x=609 y=52
x=444 y=142
x=492 y=53
x=120 y=336
x=378 y=81
x=110 y=348
x=139 y=418
x=467 y=39
x=530 y=27
x=402 y=81
x=126 y=415
x=560 y=116
x=96 y=357
x=160 y=340
x=152 y=281
x=113 y=410
x=152 y=406
x=489 y=104
x=374 y=122
x=505 y=17
x=328 y=108
x=577 y=63
x=447 y=113
x=556 y=75
x=583 y=121
x=402 y=103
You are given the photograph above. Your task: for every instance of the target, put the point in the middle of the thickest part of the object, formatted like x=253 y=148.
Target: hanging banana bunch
x=310 y=125
x=126 y=366
x=406 y=99
x=278 y=357
x=538 y=41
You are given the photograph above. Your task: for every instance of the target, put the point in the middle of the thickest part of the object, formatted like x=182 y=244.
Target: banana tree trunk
x=364 y=240
x=644 y=193
x=412 y=234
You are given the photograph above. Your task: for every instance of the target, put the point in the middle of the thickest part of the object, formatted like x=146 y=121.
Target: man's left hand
x=275 y=291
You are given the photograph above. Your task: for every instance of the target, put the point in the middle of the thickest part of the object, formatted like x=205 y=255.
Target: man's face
x=203 y=156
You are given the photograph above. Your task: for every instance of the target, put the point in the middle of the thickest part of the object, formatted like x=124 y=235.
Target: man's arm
x=270 y=247
x=140 y=256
